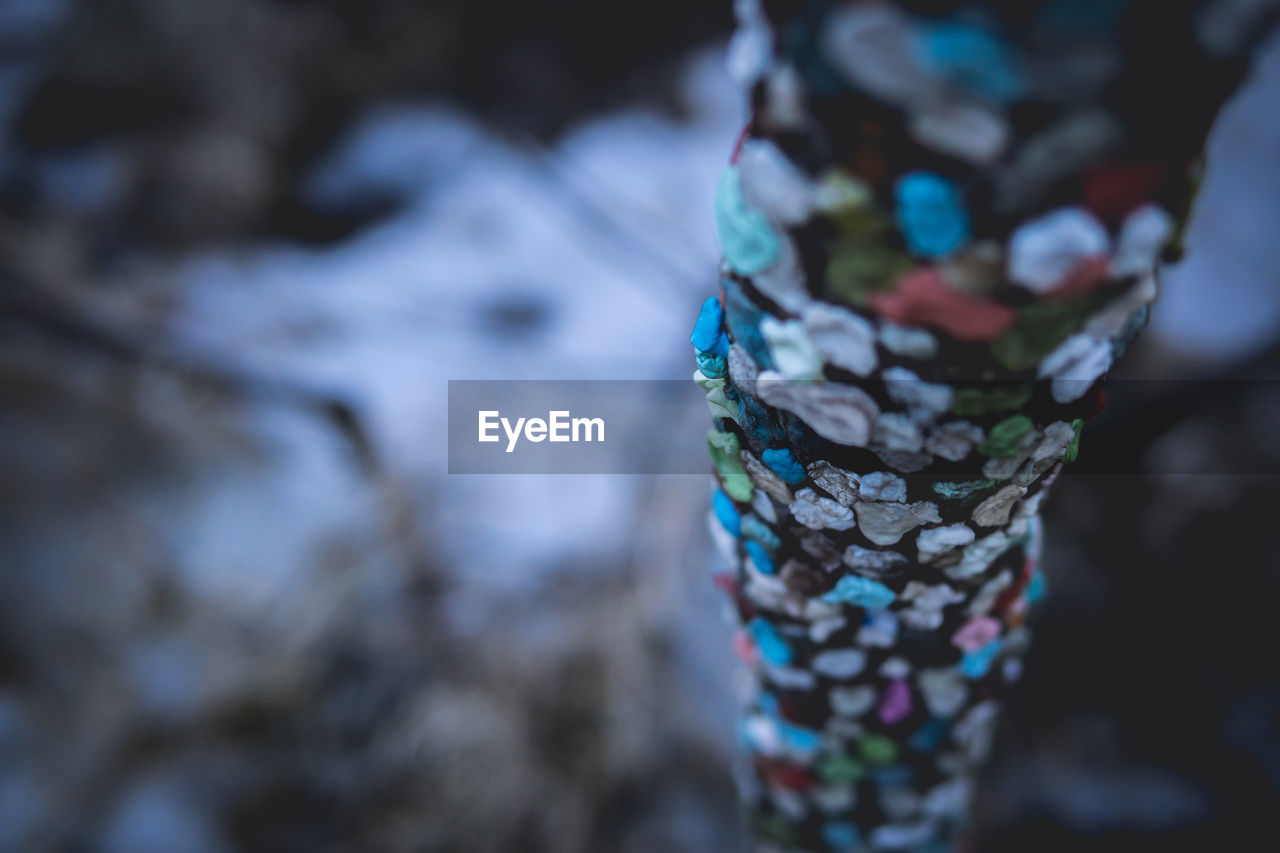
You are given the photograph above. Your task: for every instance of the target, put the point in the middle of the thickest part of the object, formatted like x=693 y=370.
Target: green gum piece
x=726 y=441
x=724 y=448
x=1038 y=330
x=841 y=768
x=861 y=223
x=721 y=406
x=974 y=402
x=845 y=193
x=706 y=383
x=962 y=491
x=878 y=749
x=775 y=828
x=1073 y=449
x=859 y=268
x=1005 y=437
x=718 y=403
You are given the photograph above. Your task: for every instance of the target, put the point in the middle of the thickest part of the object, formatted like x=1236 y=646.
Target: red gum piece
x=1011 y=593
x=1053 y=475
x=787 y=708
x=1099 y=402
x=922 y=297
x=790 y=776
x=1087 y=275
x=744 y=648
x=737 y=146
x=1113 y=191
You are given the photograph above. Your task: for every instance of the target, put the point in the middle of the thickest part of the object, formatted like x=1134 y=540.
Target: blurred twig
x=58 y=320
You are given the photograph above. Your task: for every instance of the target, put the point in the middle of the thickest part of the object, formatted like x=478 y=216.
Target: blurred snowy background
x=242 y=605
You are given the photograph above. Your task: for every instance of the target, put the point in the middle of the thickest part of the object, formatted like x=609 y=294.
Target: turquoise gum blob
x=977 y=663
x=972 y=59
x=749 y=242
x=708 y=336
x=931 y=214
x=784 y=464
x=760 y=557
x=841 y=835
x=798 y=737
x=727 y=513
x=743 y=319
x=754 y=528
x=712 y=366
x=860 y=592
x=772 y=647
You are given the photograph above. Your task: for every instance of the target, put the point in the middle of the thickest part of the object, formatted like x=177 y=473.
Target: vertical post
x=940 y=229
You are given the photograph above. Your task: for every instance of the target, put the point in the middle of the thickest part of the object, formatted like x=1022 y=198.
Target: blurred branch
x=73 y=325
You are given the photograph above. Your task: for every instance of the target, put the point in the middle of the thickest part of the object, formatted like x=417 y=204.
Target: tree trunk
x=940 y=228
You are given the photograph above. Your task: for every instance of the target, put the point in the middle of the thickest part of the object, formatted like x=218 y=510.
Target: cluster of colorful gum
x=881 y=610
x=939 y=231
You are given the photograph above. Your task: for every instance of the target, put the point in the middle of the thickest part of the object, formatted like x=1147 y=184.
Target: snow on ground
x=601 y=249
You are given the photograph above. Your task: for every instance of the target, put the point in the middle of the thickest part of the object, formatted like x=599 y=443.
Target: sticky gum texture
x=932 y=257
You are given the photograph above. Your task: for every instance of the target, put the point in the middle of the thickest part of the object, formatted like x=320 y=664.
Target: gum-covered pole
x=939 y=229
